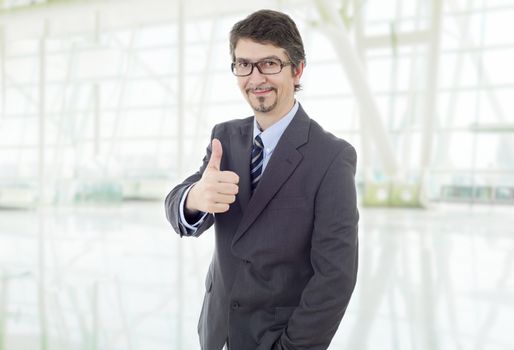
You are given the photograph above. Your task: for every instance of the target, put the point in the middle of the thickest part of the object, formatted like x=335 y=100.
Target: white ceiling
x=65 y=17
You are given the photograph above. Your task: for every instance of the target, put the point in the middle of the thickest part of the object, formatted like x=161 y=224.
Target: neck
x=265 y=120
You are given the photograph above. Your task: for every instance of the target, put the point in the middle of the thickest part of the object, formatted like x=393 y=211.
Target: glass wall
x=93 y=115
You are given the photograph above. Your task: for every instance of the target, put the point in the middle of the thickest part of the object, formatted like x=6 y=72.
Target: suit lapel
x=283 y=162
x=241 y=147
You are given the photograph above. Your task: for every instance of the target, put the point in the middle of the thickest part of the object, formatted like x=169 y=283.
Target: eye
x=242 y=64
x=270 y=63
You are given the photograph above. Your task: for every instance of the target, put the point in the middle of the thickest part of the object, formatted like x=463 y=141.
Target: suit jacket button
x=235 y=305
x=247 y=262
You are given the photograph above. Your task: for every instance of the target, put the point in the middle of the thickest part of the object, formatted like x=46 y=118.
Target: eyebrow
x=242 y=59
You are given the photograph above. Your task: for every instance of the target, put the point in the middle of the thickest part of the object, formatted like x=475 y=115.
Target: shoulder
x=233 y=125
x=317 y=137
x=328 y=143
x=329 y=153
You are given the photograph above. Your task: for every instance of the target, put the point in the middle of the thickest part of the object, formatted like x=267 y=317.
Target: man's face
x=267 y=94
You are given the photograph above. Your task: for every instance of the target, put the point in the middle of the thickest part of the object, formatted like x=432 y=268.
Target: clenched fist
x=216 y=190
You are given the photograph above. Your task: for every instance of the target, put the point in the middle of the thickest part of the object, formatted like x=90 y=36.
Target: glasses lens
x=241 y=68
x=270 y=66
x=266 y=66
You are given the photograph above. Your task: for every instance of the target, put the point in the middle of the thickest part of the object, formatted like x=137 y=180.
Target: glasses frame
x=255 y=65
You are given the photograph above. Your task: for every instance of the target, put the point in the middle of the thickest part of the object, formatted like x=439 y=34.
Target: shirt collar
x=271 y=135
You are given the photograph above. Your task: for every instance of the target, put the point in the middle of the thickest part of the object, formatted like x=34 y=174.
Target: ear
x=297 y=72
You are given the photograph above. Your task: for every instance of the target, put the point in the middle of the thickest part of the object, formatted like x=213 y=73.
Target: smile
x=261 y=91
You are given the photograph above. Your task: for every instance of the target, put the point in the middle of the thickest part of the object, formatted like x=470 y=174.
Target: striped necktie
x=256 y=162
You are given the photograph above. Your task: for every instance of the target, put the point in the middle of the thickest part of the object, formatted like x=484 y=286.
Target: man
x=281 y=194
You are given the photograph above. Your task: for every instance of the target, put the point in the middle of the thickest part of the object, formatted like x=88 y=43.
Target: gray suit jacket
x=285 y=260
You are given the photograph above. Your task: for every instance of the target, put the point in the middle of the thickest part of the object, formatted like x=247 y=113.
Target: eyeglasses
x=267 y=66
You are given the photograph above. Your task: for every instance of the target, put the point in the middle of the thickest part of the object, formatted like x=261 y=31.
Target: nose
x=256 y=78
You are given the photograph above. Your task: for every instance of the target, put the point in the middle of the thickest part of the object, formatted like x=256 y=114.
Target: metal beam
x=400 y=39
x=42 y=115
x=205 y=84
x=181 y=39
x=336 y=32
x=430 y=107
x=365 y=136
x=42 y=191
x=493 y=127
x=2 y=72
x=124 y=72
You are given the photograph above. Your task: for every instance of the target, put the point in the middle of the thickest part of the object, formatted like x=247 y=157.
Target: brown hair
x=270 y=27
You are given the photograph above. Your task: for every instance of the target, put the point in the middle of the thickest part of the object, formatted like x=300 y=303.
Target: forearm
x=176 y=216
x=334 y=260
x=324 y=300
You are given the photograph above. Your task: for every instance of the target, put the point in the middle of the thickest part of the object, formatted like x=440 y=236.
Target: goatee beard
x=262 y=108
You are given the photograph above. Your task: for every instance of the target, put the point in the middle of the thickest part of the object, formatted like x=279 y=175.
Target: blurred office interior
x=106 y=104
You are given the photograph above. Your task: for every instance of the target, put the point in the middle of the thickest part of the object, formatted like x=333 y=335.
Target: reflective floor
x=118 y=278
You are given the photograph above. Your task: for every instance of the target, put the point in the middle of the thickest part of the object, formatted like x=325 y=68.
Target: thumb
x=216 y=153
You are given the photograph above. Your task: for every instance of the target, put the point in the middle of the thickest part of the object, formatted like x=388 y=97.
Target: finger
x=224 y=198
x=216 y=153
x=228 y=177
x=227 y=188
x=219 y=208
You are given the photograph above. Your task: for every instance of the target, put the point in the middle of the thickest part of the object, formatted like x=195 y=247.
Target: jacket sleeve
x=334 y=257
x=172 y=201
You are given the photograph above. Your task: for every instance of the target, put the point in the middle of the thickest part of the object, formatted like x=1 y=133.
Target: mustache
x=261 y=88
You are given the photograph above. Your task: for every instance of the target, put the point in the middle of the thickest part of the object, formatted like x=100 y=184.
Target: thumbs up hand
x=216 y=153
x=216 y=190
